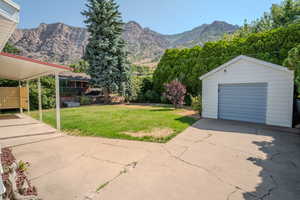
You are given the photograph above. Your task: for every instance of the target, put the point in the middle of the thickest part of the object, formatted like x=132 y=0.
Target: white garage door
x=243 y=102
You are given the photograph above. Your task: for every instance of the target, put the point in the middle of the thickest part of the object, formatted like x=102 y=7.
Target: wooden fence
x=13 y=97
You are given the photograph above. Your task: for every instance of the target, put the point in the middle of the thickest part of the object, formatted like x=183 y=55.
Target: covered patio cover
x=20 y=68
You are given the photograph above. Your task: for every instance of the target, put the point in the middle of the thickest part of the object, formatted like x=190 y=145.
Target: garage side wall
x=279 y=95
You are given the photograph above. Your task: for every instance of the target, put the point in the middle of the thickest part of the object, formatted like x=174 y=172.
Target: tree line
x=272 y=44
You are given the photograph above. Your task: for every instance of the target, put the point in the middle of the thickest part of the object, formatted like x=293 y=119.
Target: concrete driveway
x=212 y=160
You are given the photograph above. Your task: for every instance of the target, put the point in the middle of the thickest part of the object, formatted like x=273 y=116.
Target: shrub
x=145 y=93
x=85 y=100
x=48 y=93
x=188 y=100
x=196 y=103
x=152 y=97
x=164 y=100
x=175 y=92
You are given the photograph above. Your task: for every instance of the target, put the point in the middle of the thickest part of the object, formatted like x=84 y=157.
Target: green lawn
x=112 y=121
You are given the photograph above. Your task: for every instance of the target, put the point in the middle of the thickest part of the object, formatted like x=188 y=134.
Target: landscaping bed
x=132 y=122
x=17 y=185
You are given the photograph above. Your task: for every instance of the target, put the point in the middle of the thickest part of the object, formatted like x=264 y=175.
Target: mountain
x=144 y=45
x=60 y=43
x=201 y=34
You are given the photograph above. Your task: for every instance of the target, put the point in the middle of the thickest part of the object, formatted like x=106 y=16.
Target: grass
x=102 y=186
x=112 y=121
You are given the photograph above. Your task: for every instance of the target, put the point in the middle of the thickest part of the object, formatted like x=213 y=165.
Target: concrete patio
x=211 y=160
x=20 y=129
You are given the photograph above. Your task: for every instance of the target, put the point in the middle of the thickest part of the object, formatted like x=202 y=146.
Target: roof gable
x=249 y=59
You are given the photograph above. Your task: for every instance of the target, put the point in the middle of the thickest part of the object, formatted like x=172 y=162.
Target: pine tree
x=105 y=52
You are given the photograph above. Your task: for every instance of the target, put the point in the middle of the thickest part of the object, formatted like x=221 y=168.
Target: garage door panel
x=244 y=112
x=243 y=102
x=247 y=106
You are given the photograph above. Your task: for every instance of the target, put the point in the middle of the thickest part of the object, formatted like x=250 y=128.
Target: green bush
x=145 y=92
x=85 y=100
x=48 y=93
x=196 y=103
x=164 y=100
x=188 y=100
x=152 y=97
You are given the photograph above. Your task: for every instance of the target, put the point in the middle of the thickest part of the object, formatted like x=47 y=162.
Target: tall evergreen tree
x=105 y=52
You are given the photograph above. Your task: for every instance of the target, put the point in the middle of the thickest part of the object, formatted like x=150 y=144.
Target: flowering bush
x=175 y=93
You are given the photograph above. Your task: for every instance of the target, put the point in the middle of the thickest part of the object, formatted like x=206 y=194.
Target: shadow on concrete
x=8 y=116
x=280 y=171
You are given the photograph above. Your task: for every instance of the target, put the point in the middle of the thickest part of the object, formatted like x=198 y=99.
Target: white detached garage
x=251 y=90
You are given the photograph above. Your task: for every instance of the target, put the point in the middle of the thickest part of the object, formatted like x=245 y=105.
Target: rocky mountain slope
x=65 y=44
x=201 y=34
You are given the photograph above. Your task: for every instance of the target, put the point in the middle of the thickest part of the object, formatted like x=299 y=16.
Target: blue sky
x=164 y=16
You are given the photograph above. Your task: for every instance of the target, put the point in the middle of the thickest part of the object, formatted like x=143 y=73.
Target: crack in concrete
x=274 y=155
x=265 y=195
x=127 y=168
x=126 y=147
x=231 y=193
x=237 y=188
x=196 y=142
x=207 y=171
x=203 y=139
x=235 y=149
x=104 y=160
x=65 y=165
x=269 y=192
x=57 y=169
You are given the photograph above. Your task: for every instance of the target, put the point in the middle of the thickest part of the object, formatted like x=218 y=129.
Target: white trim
x=15 y=21
x=13 y=4
x=249 y=59
x=38 y=75
x=14 y=17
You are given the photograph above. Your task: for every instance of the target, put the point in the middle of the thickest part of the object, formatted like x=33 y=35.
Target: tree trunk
x=106 y=96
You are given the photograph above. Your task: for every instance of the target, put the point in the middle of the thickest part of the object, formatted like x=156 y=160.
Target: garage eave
x=249 y=59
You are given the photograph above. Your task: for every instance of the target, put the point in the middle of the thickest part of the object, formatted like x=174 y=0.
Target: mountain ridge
x=64 y=44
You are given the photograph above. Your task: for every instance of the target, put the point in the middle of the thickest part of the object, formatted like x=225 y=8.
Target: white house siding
x=9 y=18
x=279 y=96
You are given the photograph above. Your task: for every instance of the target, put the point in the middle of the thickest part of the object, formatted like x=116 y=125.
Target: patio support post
x=40 y=99
x=20 y=100
x=57 y=101
x=28 y=99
